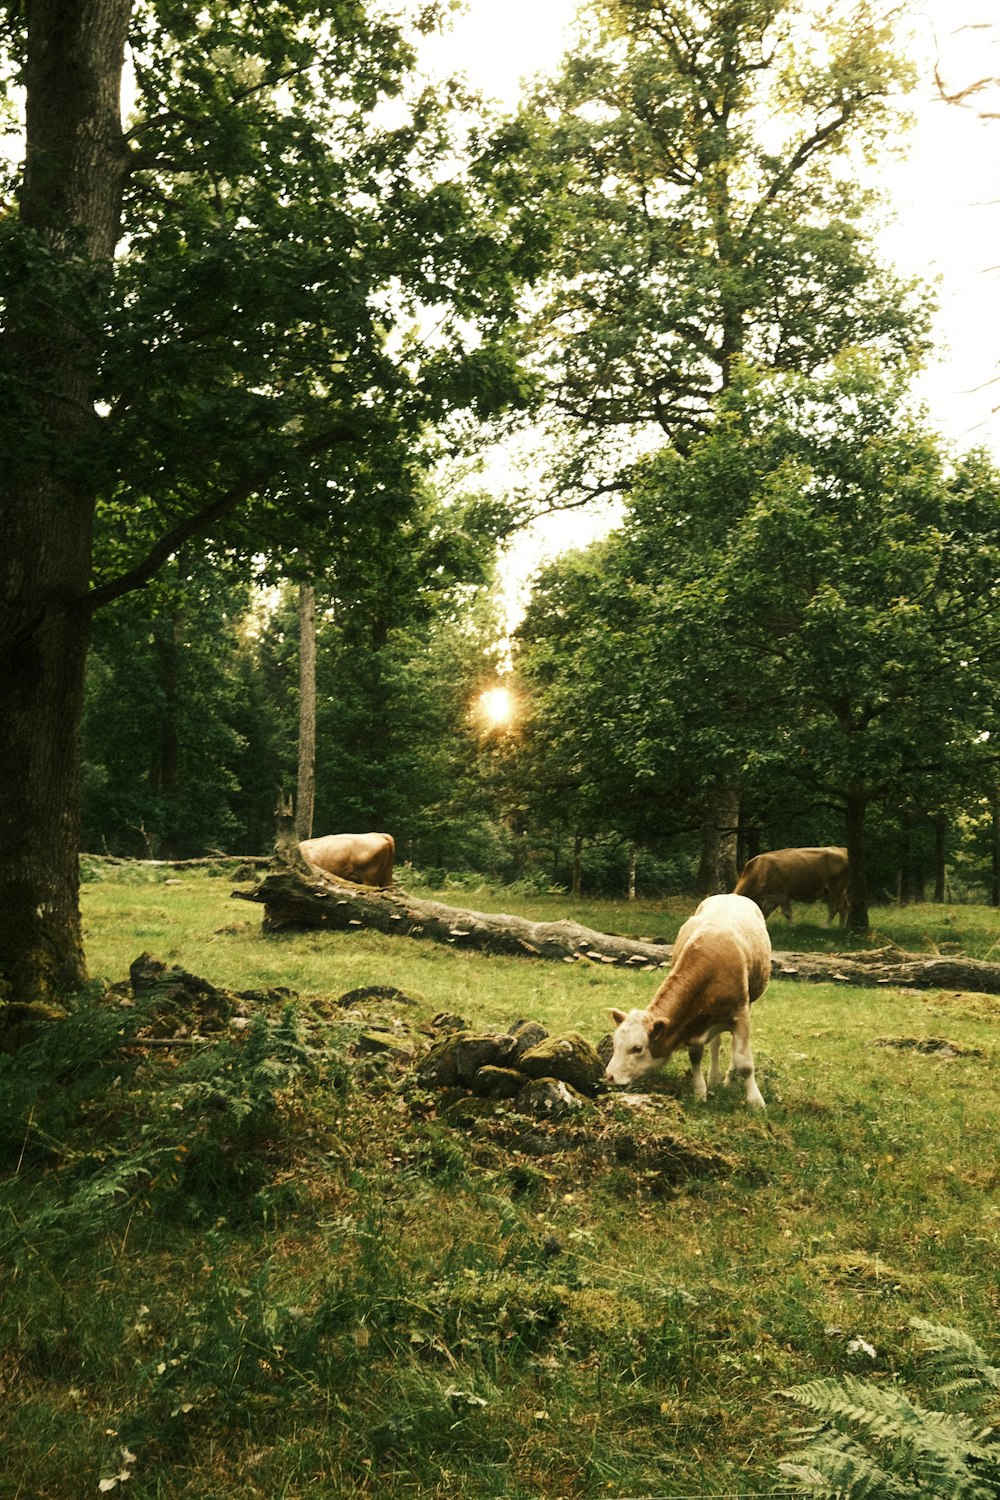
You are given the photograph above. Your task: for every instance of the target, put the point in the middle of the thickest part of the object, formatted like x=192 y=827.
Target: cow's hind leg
x=742 y=1065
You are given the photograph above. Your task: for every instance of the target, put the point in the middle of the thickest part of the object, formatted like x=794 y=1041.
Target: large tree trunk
x=70 y=207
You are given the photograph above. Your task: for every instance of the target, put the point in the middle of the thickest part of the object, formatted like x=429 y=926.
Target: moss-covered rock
x=459 y=1058
x=397 y=1046
x=526 y=1034
x=548 y=1099
x=467 y=1110
x=569 y=1058
x=497 y=1083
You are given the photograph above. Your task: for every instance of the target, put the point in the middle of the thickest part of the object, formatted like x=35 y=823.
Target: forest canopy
x=243 y=324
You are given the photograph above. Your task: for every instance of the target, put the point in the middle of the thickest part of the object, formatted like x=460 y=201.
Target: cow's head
x=640 y=1045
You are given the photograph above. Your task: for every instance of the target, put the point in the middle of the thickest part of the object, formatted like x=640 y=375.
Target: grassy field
x=271 y=1269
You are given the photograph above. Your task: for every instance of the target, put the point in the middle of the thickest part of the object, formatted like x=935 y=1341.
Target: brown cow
x=721 y=965
x=773 y=880
x=364 y=858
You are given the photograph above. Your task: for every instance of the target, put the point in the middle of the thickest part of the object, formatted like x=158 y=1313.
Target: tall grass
x=279 y=1272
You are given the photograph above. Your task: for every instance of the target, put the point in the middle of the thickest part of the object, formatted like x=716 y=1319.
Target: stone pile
x=541 y=1075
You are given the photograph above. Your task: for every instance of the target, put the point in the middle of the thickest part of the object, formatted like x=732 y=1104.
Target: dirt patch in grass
x=930 y=1046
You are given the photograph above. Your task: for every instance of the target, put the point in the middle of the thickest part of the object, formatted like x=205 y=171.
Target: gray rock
x=446 y=1020
x=387 y=1043
x=474 y=1052
x=459 y=1058
x=569 y=1058
x=548 y=1099
x=497 y=1083
x=527 y=1034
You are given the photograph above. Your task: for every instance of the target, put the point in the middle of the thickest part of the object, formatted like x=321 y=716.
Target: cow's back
x=794 y=874
x=363 y=858
x=726 y=937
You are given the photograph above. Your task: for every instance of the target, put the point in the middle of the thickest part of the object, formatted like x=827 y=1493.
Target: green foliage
x=193 y=1144
x=177 y=740
x=697 y=165
x=874 y=1443
x=802 y=599
x=267 y=369
x=191 y=709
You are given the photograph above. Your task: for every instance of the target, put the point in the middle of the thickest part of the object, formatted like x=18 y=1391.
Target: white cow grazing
x=721 y=965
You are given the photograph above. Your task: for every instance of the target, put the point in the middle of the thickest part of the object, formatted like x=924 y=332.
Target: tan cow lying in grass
x=364 y=858
x=776 y=879
x=721 y=965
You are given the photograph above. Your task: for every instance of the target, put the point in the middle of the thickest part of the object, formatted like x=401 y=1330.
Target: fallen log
x=306 y=898
x=296 y=895
x=884 y=967
x=221 y=861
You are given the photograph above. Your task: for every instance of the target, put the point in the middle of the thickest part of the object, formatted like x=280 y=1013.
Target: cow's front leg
x=696 y=1051
x=742 y=1065
x=714 y=1069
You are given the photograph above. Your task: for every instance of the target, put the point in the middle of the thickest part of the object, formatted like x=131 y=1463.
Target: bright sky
x=946 y=195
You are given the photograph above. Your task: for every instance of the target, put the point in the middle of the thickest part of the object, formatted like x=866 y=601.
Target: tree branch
x=199 y=521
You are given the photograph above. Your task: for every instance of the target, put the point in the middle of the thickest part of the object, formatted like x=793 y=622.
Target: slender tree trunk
x=995 y=829
x=306 y=794
x=70 y=209
x=577 y=873
x=940 y=855
x=904 y=883
x=631 y=870
x=747 y=840
x=717 y=869
x=856 y=810
x=166 y=769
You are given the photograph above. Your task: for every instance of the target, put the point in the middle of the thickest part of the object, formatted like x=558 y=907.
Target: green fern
x=958 y=1364
x=875 y=1443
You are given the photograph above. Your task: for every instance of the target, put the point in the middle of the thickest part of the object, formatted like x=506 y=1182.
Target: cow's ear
x=657 y=1030
x=617 y=1016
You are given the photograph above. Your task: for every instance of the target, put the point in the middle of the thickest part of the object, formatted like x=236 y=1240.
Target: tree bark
x=576 y=880
x=719 y=829
x=306 y=788
x=856 y=808
x=70 y=209
x=295 y=895
x=940 y=857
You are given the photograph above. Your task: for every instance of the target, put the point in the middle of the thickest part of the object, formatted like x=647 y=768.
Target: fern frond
x=833 y=1465
x=917 y=1451
x=851 y=1403
x=957 y=1361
